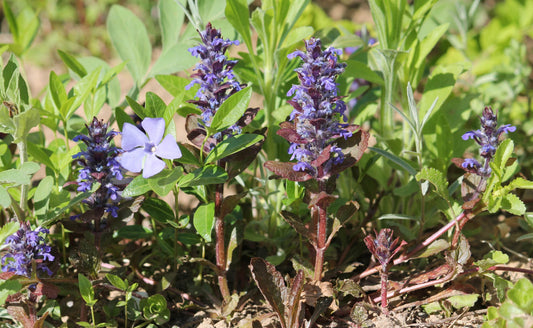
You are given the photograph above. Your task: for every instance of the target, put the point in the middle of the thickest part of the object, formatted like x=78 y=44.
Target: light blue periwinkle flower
x=143 y=152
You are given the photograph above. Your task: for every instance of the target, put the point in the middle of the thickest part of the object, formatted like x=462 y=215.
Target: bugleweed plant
x=373 y=178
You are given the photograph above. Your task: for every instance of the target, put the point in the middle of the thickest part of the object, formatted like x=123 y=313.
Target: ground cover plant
x=263 y=164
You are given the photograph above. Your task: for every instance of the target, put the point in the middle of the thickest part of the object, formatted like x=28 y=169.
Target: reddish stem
x=384 y=283
x=320 y=243
x=507 y=268
x=220 y=249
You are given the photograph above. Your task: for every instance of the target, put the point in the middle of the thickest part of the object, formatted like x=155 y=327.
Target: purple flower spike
x=144 y=152
x=27 y=245
x=99 y=164
x=215 y=76
x=318 y=110
x=488 y=138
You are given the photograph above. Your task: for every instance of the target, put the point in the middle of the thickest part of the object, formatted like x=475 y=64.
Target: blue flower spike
x=488 y=137
x=145 y=152
x=25 y=246
x=99 y=164
x=318 y=110
x=214 y=74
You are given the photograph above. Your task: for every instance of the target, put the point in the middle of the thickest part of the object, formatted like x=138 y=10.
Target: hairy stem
x=384 y=283
x=220 y=249
x=321 y=242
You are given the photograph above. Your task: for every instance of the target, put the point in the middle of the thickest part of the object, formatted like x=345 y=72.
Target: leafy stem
x=23 y=153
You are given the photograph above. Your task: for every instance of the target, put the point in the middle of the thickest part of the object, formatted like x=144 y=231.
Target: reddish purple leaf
x=247 y=117
x=294 y=221
x=323 y=157
x=19 y=314
x=291 y=135
x=294 y=311
x=346 y=211
x=271 y=285
x=322 y=200
x=229 y=203
x=285 y=170
x=239 y=161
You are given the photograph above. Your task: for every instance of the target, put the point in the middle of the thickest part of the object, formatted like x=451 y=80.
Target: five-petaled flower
x=25 y=246
x=144 y=152
x=488 y=137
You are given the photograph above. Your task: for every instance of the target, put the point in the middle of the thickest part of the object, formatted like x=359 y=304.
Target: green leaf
x=24 y=122
x=86 y=290
x=362 y=71
x=171 y=18
x=72 y=63
x=491 y=259
x=399 y=161
x=461 y=301
x=435 y=247
x=54 y=213
x=117 y=281
x=164 y=181
x=521 y=183
x=41 y=198
x=130 y=39
x=155 y=308
x=189 y=238
x=439 y=85
x=232 y=145
x=210 y=174
x=5 y=198
x=175 y=85
x=297 y=35
x=138 y=109
x=436 y=178
x=20 y=176
x=231 y=110
x=154 y=105
x=11 y=20
x=173 y=60
x=521 y=295
x=82 y=90
x=204 y=219
x=238 y=15
x=503 y=153
x=57 y=90
x=8 y=287
x=187 y=157
x=122 y=117
x=158 y=209
x=133 y=232
x=6 y=123
x=136 y=187
x=512 y=204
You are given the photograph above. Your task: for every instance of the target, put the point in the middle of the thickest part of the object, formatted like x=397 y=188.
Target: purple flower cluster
x=144 y=152
x=25 y=246
x=99 y=164
x=488 y=137
x=215 y=76
x=318 y=110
